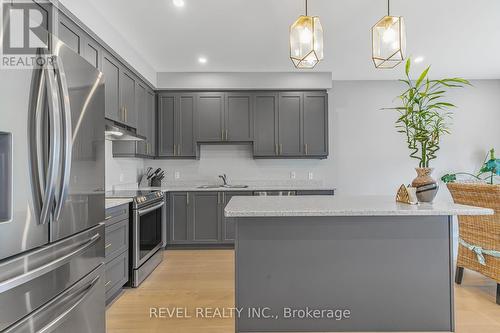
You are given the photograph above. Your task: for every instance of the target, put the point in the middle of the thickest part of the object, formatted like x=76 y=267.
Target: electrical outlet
x=293 y=175
x=177 y=175
x=121 y=177
x=310 y=176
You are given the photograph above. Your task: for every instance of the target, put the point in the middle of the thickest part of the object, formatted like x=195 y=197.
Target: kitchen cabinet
x=151 y=124
x=238 y=117
x=194 y=217
x=142 y=147
x=127 y=98
x=224 y=117
x=206 y=217
x=289 y=124
x=315 y=124
x=111 y=71
x=92 y=52
x=116 y=250
x=228 y=223
x=179 y=218
x=265 y=123
x=210 y=117
x=69 y=33
x=176 y=134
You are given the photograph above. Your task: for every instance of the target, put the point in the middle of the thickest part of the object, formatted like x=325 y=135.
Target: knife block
x=155 y=183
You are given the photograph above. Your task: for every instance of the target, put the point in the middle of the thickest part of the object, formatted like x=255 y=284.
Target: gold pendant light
x=389 y=41
x=306 y=41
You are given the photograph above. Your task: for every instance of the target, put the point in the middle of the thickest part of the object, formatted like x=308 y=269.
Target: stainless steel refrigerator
x=52 y=196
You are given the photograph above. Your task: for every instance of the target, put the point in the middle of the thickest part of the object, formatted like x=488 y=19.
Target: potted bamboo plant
x=424 y=117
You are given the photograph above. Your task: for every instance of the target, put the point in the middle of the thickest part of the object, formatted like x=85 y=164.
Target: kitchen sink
x=222 y=186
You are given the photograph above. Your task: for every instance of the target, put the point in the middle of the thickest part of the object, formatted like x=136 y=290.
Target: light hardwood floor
x=196 y=278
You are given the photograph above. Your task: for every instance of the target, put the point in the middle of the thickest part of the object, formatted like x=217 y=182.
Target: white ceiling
x=458 y=37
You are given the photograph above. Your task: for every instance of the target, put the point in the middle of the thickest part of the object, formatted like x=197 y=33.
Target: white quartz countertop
x=256 y=188
x=341 y=206
x=110 y=203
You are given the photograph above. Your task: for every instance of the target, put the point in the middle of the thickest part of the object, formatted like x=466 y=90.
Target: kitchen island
x=316 y=264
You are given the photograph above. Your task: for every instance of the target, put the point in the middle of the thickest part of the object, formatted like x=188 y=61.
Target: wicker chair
x=479 y=235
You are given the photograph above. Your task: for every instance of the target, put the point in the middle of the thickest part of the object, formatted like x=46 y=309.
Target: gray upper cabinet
x=69 y=33
x=185 y=133
x=111 y=71
x=127 y=98
x=238 y=119
x=151 y=124
x=92 y=52
x=176 y=125
x=315 y=124
x=289 y=123
x=166 y=125
x=142 y=119
x=265 y=124
x=210 y=116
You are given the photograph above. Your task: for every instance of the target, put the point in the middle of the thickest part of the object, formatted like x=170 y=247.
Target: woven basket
x=483 y=231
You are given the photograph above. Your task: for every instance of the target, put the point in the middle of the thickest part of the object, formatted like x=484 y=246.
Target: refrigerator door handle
x=67 y=142
x=76 y=298
x=55 y=146
x=39 y=271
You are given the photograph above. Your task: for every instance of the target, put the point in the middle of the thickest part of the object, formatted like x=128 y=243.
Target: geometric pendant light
x=389 y=41
x=306 y=41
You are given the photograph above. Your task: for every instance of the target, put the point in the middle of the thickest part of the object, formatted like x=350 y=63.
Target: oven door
x=147 y=233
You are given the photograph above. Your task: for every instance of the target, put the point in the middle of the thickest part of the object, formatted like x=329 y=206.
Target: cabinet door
x=151 y=128
x=127 y=98
x=210 y=116
x=142 y=119
x=166 y=125
x=315 y=126
x=206 y=217
x=289 y=124
x=185 y=113
x=91 y=51
x=238 y=120
x=111 y=73
x=180 y=216
x=265 y=106
x=69 y=33
x=228 y=223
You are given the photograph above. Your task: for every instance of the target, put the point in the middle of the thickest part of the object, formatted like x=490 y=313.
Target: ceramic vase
x=427 y=187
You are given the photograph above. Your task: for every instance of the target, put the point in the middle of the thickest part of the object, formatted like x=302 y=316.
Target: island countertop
x=276 y=206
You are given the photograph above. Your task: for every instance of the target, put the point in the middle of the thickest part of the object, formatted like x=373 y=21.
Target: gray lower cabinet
x=228 y=223
x=116 y=250
x=176 y=125
x=180 y=226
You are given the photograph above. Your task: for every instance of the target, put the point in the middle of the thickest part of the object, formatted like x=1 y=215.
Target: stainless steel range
x=146 y=232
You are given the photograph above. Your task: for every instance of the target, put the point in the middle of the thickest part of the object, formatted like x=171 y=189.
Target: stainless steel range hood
x=119 y=132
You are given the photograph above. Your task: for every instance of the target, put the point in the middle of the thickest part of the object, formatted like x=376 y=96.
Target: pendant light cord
x=306 y=7
x=388 y=7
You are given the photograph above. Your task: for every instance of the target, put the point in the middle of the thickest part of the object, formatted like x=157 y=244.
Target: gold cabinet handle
x=305 y=148
x=281 y=149
x=107 y=283
x=126 y=115
x=108 y=245
x=187 y=199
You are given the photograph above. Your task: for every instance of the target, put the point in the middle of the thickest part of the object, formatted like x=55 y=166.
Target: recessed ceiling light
x=418 y=60
x=202 y=60
x=178 y=3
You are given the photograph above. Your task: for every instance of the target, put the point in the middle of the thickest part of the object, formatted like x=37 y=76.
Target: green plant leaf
x=407 y=67
x=422 y=76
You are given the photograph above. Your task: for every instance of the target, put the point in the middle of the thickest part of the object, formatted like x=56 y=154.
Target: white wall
x=121 y=170
x=367 y=155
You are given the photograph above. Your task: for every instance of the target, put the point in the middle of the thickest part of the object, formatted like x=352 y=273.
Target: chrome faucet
x=224 y=178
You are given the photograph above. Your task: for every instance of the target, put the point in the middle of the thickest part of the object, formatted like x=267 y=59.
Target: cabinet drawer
x=116 y=239
x=116 y=274
x=117 y=214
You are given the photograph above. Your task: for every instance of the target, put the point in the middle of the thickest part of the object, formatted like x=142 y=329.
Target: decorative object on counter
x=479 y=244
x=389 y=41
x=407 y=195
x=426 y=186
x=491 y=167
x=306 y=41
x=157 y=177
x=423 y=118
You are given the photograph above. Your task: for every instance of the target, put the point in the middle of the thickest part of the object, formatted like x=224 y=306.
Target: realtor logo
x=25 y=33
